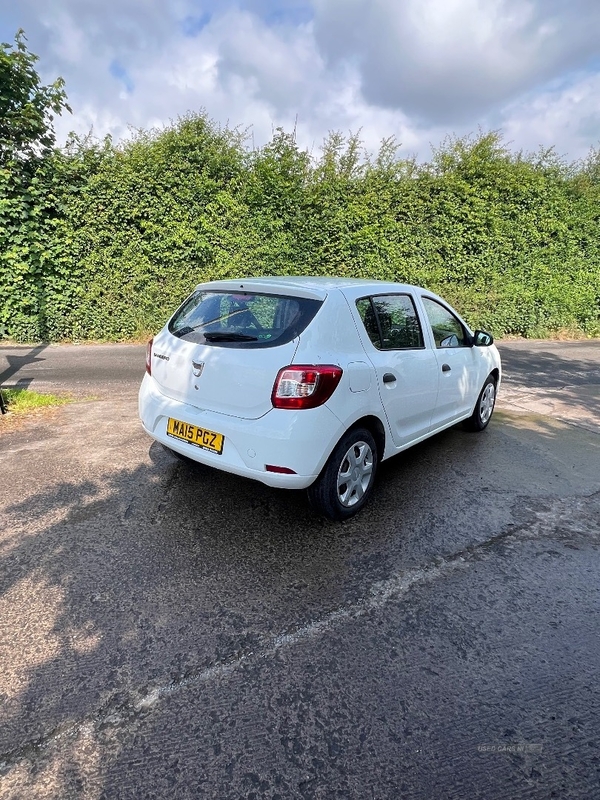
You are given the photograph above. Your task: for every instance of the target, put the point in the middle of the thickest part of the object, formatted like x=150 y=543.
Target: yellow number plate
x=200 y=437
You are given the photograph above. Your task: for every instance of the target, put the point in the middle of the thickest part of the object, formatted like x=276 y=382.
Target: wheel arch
x=376 y=428
x=325 y=493
x=495 y=374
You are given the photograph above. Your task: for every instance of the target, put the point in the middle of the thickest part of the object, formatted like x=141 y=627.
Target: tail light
x=305 y=386
x=149 y=356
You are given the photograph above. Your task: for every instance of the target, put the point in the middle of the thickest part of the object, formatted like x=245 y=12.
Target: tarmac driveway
x=175 y=632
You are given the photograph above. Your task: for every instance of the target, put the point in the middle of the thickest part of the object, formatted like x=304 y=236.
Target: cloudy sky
x=415 y=69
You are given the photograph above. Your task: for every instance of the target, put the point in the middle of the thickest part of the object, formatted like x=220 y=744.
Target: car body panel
x=409 y=400
x=460 y=385
x=231 y=381
x=234 y=388
x=297 y=440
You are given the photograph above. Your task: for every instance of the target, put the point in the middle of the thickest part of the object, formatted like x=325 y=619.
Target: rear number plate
x=200 y=437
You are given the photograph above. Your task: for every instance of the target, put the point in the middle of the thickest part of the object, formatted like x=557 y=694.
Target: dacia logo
x=197 y=367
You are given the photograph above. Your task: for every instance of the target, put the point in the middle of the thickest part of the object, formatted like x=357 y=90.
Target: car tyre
x=346 y=481
x=484 y=407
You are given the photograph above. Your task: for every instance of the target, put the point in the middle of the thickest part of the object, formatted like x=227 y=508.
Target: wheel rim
x=486 y=406
x=355 y=474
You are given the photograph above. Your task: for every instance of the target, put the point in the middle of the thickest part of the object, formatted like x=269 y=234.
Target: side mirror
x=482 y=339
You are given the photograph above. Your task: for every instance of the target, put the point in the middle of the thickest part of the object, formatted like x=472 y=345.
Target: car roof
x=315 y=285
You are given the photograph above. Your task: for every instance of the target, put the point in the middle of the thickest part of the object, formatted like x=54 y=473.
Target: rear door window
x=391 y=321
x=245 y=319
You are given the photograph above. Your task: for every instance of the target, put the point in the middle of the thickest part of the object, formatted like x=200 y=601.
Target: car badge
x=197 y=367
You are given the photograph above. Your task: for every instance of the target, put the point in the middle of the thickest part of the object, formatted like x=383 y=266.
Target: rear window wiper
x=181 y=332
x=223 y=336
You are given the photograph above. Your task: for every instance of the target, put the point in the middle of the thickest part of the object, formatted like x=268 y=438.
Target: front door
x=457 y=370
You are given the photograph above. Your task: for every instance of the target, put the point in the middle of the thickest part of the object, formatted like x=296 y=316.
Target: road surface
x=175 y=632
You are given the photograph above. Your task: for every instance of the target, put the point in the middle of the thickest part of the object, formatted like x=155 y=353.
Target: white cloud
x=416 y=69
x=563 y=116
x=447 y=61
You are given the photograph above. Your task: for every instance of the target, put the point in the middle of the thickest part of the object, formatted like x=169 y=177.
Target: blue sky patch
x=289 y=13
x=118 y=71
x=9 y=25
x=193 y=24
x=272 y=12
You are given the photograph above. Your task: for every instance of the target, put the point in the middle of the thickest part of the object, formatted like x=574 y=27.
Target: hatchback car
x=311 y=382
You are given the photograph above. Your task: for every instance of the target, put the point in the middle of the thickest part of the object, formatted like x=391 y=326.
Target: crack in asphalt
x=120 y=711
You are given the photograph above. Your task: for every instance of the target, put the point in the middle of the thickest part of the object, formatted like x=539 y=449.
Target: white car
x=311 y=382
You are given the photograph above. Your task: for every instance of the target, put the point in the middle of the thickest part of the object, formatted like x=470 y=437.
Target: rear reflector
x=305 y=385
x=282 y=470
x=149 y=356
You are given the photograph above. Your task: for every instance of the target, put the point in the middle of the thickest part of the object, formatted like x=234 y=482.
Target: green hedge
x=102 y=241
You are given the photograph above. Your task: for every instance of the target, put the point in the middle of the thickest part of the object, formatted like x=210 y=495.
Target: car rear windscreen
x=242 y=319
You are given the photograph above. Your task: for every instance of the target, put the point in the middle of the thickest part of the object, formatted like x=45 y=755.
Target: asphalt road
x=175 y=632
x=101 y=368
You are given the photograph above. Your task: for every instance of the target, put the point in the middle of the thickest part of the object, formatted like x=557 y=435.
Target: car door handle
x=389 y=377
x=445 y=367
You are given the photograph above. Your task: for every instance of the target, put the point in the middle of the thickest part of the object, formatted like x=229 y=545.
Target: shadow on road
x=145 y=579
x=127 y=583
x=16 y=363
x=547 y=370
x=141 y=581
x=559 y=387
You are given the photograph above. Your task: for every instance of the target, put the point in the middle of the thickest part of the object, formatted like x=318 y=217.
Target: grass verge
x=22 y=400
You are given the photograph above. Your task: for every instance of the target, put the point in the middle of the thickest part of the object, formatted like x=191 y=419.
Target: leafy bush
x=103 y=240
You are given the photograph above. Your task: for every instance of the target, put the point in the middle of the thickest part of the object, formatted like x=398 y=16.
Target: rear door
x=406 y=368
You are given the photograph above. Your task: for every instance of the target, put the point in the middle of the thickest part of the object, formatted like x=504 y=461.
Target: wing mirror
x=482 y=339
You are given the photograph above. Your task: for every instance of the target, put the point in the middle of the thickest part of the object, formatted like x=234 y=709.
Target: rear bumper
x=298 y=440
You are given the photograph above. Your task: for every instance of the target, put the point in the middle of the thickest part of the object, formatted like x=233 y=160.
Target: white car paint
x=232 y=395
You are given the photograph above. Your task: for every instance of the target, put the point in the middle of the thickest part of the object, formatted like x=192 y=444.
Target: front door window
x=448 y=331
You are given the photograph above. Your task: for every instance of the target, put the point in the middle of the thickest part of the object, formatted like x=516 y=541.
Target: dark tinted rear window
x=391 y=322
x=244 y=319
